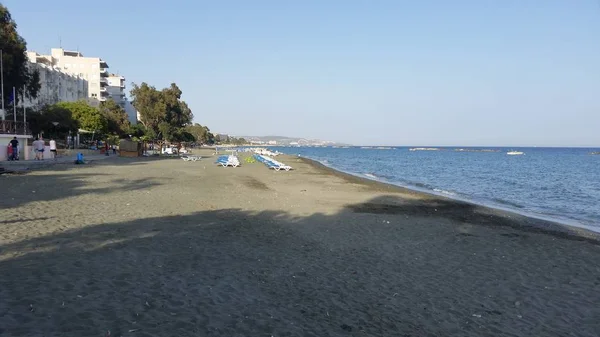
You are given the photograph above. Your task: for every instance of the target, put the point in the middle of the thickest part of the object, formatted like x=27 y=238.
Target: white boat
x=515 y=153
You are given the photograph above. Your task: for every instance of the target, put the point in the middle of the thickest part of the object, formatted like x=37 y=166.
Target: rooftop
x=72 y=53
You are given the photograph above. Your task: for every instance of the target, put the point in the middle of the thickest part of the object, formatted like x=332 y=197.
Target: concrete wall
x=57 y=86
x=23 y=148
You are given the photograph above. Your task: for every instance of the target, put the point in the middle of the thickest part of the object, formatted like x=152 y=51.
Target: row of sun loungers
x=272 y=163
x=264 y=152
x=230 y=160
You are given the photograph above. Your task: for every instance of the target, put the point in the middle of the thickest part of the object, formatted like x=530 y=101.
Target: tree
x=52 y=120
x=116 y=118
x=201 y=133
x=88 y=117
x=162 y=111
x=166 y=131
x=14 y=60
x=150 y=104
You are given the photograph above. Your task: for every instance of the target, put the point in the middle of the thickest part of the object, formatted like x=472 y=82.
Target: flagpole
x=15 y=108
x=24 y=113
x=2 y=84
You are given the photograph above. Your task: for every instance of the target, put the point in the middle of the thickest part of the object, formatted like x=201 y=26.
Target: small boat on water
x=515 y=153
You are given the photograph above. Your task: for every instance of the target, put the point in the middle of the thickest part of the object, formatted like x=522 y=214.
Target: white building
x=55 y=84
x=94 y=70
x=132 y=114
x=116 y=89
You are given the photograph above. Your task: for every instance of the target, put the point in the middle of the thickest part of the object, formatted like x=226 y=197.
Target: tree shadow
x=365 y=270
x=71 y=184
x=464 y=212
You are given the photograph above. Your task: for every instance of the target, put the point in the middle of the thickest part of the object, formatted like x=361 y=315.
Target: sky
x=365 y=72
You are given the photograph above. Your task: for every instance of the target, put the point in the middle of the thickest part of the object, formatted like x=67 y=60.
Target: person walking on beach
x=53 y=148
x=38 y=146
x=14 y=144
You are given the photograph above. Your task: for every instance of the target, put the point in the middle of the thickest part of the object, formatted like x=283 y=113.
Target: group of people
x=38 y=145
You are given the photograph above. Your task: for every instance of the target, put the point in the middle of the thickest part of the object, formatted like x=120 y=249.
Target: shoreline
x=531 y=222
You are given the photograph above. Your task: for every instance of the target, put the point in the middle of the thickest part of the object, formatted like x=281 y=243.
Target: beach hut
x=130 y=148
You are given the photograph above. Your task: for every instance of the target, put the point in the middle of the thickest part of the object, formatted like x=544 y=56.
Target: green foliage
x=52 y=121
x=201 y=133
x=166 y=131
x=88 y=117
x=150 y=104
x=116 y=118
x=113 y=139
x=137 y=130
x=162 y=112
x=230 y=140
x=14 y=59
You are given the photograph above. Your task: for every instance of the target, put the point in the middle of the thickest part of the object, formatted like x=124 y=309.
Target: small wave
x=443 y=191
x=508 y=203
x=423 y=185
x=424 y=149
x=370 y=175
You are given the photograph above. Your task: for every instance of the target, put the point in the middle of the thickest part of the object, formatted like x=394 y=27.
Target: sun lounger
x=272 y=163
x=226 y=161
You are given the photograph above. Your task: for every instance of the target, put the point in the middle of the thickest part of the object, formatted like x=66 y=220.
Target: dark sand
x=155 y=247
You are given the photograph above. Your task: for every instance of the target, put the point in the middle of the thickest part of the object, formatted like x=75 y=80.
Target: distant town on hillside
x=284 y=141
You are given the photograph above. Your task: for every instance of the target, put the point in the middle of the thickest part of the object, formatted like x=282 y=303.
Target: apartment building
x=70 y=76
x=56 y=85
x=116 y=89
x=93 y=70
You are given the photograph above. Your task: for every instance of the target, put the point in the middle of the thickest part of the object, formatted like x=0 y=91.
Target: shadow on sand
x=366 y=271
x=73 y=182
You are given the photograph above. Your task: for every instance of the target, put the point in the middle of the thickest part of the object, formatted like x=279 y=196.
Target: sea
x=559 y=184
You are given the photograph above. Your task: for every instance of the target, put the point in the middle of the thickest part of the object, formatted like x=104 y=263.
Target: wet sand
x=163 y=247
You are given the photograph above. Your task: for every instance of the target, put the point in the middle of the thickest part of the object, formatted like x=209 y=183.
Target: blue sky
x=397 y=72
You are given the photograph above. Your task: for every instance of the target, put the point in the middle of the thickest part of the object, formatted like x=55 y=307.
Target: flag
x=11 y=98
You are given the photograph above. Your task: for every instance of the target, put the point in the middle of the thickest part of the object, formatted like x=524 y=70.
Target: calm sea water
x=562 y=184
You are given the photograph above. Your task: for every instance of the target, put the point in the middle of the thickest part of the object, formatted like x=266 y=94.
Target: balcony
x=103 y=82
x=12 y=128
x=103 y=72
x=102 y=89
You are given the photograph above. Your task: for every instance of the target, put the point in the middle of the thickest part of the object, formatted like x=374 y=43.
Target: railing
x=12 y=128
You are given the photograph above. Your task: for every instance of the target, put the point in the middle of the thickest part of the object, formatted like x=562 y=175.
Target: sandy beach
x=163 y=247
